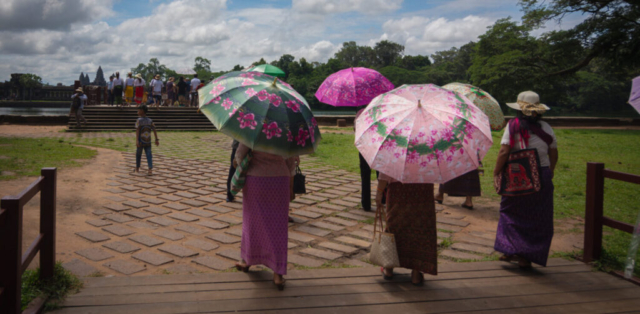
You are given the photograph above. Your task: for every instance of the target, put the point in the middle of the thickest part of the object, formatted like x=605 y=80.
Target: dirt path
x=79 y=193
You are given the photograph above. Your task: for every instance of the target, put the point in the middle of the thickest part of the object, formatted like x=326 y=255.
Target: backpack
x=75 y=103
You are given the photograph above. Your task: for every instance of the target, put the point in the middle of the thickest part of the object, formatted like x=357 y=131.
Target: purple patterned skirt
x=526 y=223
x=265 y=223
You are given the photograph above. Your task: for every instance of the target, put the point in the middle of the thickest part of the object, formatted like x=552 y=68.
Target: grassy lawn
x=618 y=149
x=25 y=157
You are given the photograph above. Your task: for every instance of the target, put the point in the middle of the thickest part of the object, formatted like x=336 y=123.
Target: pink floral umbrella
x=423 y=134
x=353 y=87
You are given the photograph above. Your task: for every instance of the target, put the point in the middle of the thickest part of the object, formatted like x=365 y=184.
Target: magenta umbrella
x=634 y=99
x=353 y=87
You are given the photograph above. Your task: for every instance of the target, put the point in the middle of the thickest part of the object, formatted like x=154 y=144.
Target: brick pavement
x=177 y=221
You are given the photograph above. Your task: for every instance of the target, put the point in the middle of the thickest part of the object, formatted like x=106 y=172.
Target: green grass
x=25 y=157
x=619 y=150
x=62 y=283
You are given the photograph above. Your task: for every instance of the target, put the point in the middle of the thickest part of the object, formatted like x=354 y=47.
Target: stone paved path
x=178 y=222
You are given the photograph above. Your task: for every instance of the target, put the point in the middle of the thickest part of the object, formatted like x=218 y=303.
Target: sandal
x=506 y=258
x=439 y=201
x=467 y=206
x=384 y=275
x=280 y=286
x=419 y=283
x=524 y=264
x=244 y=269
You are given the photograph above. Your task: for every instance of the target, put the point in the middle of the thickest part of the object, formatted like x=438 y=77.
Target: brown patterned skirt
x=467 y=184
x=411 y=217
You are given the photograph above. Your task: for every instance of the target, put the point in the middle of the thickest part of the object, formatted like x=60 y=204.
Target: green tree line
x=584 y=70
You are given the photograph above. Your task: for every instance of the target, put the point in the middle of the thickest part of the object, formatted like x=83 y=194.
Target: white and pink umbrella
x=423 y=134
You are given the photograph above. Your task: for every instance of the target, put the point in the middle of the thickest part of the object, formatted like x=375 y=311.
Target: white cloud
x=319 y=51
x=324 y=7
x=425 y=36
x=50 y=14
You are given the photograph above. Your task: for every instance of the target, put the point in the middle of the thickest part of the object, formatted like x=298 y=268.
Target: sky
x=58 y=39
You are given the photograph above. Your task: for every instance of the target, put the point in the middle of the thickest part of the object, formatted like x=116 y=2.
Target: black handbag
x=299 y=182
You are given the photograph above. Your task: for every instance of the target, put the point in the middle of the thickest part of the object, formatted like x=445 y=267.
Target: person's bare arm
x=553 y=158
x=156 y=135
x=503 y=156
x=137 y=137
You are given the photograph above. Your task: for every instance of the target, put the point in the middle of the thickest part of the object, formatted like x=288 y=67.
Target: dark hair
x=144 y=108
x=182 y=78
x=195 y=75
x=525 y=121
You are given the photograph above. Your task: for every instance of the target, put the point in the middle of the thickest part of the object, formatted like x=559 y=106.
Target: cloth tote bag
x=383 y=248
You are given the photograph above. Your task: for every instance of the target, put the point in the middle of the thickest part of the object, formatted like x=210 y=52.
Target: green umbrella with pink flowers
x=423 y=134
x=262 y=112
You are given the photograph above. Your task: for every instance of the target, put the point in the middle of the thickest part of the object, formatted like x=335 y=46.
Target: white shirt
x=534 y=142
x=139 y=82
x=117 y=82
x=129 y=82
x=157 y=85
x=83 y=99
x=194 y=84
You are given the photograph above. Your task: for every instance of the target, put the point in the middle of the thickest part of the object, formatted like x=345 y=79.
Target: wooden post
x=593 y=212
x=11 y=252
x=48 y=223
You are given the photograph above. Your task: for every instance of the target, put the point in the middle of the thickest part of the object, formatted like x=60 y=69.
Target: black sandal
x=439 y=201
x=384 y=275
x=244 y=269
x=280 y=286
x=419 y=283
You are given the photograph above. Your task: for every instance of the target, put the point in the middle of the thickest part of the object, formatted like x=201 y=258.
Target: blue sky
x=59 y=39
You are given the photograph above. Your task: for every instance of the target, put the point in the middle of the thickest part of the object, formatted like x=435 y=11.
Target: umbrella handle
x=275 y=79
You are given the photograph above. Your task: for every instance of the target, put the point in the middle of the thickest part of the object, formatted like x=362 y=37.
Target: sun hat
x=139 y=75
x=79 y=90
x=529 y=102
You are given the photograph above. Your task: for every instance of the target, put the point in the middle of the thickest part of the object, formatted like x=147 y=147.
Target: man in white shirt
x=117 y=88
x=195 y=82
x=79 y=99
x=156 y=85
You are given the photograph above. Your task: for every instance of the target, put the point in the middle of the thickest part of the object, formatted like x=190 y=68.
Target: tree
x=451 y=65
x=237 y=67
x=30 y=81
x=354 y=56
x=611 y=29
x=150 y=70
x=283 y=63
x=202 y=65
x=387 y=53
x=414 y=62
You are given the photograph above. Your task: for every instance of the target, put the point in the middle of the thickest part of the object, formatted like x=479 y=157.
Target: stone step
x=457 y=255
x=474 y=240
x=473 y=248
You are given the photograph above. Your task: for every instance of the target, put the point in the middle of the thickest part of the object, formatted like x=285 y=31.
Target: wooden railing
x=595 y=219
x=12 y=262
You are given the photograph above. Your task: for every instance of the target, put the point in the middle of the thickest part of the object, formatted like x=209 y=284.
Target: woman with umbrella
x=468 y=184
x=355 y=87
x=417 y=135
x=273 y=124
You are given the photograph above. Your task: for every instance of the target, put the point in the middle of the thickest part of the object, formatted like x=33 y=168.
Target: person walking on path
x=365 y=176
x=144 y=127
x=156 y=85
x=79 y=99
x=182 y=91
x=117 y=89
x=265 y=208
x=525 y=228
x=411 y=218
x=467 y=185
x=110 y=91
x=139 y=84
x=171 y=93
x=195 y=82
x=129 y=89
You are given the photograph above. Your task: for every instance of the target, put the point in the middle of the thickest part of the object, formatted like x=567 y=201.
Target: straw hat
x=529 y=102
x=139 y=75
x=79 y=90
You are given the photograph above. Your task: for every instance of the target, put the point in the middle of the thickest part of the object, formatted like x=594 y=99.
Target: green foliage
x=202 y=65
x=149 y=70
x=399 y=76
x=57 y=288
x=30 y=80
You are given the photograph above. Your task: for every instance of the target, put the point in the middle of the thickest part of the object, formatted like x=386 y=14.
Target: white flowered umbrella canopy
x=423 y=134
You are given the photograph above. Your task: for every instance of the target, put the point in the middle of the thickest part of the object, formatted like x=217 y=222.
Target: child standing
x=144 y=127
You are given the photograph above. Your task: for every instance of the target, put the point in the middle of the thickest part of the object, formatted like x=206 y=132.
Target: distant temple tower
x=99 y=81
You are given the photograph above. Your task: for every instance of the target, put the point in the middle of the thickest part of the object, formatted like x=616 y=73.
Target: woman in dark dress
x=182 y=91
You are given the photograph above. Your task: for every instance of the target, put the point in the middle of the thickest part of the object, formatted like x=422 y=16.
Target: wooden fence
x=12 y=262
x=595 y=219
